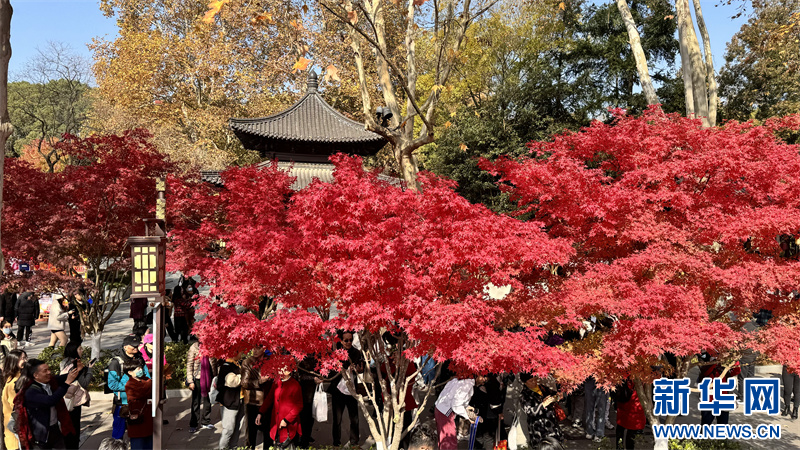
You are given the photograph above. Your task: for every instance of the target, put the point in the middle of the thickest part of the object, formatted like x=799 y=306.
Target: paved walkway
x=96 y=422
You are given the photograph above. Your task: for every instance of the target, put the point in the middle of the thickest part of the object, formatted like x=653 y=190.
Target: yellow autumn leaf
x=266 y=17
x=213 y=9
x=437 y=88
x=463 y=147
x=331 y=73
x=453 y=114
x=301 y=64
x=562 y=6
x=448 y=124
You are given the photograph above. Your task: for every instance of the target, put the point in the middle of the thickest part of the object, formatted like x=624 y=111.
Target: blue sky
x=76 y=22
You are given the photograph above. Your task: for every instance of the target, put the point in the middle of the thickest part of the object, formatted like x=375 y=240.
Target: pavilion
x=302 y=138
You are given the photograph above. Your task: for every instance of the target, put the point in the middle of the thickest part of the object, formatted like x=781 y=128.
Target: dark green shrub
x=703 y=444
x=176 y=357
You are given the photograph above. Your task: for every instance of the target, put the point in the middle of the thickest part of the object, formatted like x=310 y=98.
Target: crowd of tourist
x=43 y=409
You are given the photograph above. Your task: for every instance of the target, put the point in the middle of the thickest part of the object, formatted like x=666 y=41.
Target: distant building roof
x=311 y=127
x=304 y=174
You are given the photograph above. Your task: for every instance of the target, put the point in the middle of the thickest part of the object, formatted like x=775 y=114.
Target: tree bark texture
x=710 y=75
x=694 y=68
x=638 y=53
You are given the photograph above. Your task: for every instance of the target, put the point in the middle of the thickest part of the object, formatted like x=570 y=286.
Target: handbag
x=516 y=437
x=134 y=418
x=213 y=392
x=320 y=407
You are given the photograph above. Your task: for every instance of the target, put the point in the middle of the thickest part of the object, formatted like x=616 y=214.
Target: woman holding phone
x=78 y=393
x=538 y=403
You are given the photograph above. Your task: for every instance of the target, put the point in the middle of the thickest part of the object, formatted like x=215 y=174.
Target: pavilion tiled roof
x=310 y=120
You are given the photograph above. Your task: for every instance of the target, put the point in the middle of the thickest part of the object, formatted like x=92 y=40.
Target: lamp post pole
x=158 y=336
x=148 y=281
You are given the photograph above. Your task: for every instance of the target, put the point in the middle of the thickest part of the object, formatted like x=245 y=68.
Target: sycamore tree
x=697 y=66
x=182 y=73
x=82 y=216
x=362 y=254
x=676 y=229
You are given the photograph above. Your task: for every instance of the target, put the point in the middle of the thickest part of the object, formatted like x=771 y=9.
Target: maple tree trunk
x=386 y=426
x=692 y=62
x=638 y=53
x=711 y=77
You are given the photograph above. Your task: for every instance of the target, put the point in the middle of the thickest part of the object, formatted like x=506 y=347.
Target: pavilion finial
x=312 y=82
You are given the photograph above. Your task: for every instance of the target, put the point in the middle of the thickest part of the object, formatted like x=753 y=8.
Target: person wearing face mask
x=117 y=379
x=286 y=400
x=9 y=341
x=139 y=390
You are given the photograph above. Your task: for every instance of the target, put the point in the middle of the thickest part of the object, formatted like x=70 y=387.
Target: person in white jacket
x=57 y=322
x=452 y=402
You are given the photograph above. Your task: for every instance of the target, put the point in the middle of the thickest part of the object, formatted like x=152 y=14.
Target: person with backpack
x=78 y=393
x=117 y=378
x=229 y=385
x=27 y=309
x=12 y=368
x=46 y=420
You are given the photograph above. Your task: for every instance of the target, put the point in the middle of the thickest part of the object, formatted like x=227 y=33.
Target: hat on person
x=525 y=376
x=131 y=340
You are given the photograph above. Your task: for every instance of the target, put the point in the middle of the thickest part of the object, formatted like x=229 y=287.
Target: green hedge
x=703 y=444
x=175 y=353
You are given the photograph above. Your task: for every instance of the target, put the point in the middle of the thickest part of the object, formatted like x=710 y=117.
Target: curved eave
x=289 y=119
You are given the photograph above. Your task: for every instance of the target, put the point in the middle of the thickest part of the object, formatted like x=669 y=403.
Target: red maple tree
x=82 y=215
x=362 y=254
x=676 y=229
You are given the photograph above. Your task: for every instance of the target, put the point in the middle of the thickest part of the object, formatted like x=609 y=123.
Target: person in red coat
x=630 y=416
x=286 y=400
